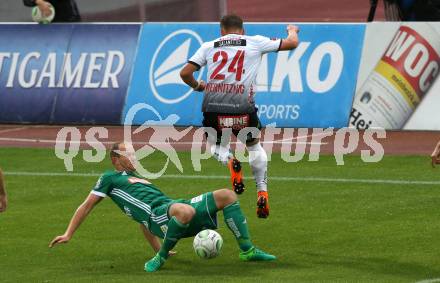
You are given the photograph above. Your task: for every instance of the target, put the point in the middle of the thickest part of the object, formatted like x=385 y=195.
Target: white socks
x=221 y=153
x=258 y=162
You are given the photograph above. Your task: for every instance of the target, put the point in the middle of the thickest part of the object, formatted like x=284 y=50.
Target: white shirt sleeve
x=199 y=58
x=99 y=194
x=266 y=44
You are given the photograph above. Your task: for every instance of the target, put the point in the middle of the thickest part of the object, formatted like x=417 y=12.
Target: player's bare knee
x=183 y=212
x=191 y=212
x=228 y=196
x=224 y=197
x=188 y=213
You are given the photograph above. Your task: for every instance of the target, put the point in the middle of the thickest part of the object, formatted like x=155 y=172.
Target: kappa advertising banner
x=65 y=73
x=312 y=86
x=398 y=86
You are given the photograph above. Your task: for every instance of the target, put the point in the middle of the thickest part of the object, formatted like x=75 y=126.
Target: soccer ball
x=207 y=244
x=38 y=17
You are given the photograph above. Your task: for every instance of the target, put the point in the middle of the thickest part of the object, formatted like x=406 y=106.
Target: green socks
x=236 y=222
x=174 y=233
x=234 y=219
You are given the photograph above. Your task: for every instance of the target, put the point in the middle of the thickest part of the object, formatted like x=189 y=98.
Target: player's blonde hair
x=114 y=149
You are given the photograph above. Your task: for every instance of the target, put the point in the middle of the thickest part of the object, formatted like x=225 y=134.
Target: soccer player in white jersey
x=233 y=61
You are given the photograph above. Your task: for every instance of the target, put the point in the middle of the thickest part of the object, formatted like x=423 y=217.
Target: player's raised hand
x=292 y=28
x=63 y=239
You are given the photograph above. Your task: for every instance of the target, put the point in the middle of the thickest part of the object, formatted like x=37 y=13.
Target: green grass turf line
x=321 y=232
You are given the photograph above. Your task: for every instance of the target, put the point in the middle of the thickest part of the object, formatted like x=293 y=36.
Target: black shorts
x=236 y=122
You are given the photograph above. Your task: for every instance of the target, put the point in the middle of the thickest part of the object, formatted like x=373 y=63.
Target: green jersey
x=135 y=196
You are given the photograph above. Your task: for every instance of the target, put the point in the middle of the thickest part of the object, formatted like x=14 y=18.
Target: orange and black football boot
x=263 y=205
x=236 y=175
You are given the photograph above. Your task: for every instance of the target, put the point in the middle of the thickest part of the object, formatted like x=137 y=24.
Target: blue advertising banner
x=102 y=57
x=312 y=86
x=24 y=53
x=162 y=52
x=65 y=73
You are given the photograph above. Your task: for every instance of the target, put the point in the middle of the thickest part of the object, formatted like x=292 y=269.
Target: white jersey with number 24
x=233 y=61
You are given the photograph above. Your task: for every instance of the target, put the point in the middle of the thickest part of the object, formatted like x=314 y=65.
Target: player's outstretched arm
x=187 y=75
x=3 y=196
x=292 y=40
x=79 y=216
x=153 y=240
x=435 y=156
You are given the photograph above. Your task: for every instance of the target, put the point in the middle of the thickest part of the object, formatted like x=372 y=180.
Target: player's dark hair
x=231 y=22
x=114 y=150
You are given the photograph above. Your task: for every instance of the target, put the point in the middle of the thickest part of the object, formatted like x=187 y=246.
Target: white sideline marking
x=285 y=141
x=12 y=130
x=306 y=137
x=435 y=280
x=274 y=178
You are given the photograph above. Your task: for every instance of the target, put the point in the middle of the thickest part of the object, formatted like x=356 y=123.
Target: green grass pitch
x=329 y=230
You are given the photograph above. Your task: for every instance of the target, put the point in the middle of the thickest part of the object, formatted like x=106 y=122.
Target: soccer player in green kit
x=160 y=216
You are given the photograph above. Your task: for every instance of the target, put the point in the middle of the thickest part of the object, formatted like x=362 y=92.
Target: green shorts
x=205 y=217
